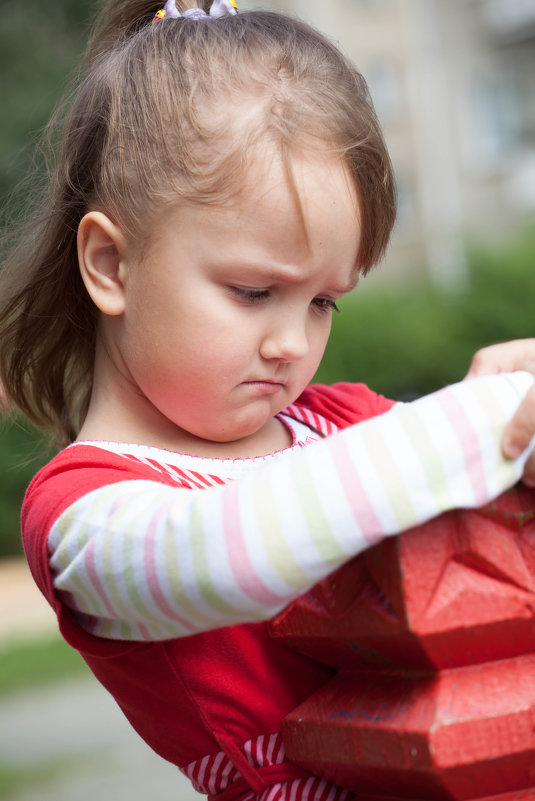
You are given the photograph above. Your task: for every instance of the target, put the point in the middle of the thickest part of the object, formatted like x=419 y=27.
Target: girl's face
x=227 y=313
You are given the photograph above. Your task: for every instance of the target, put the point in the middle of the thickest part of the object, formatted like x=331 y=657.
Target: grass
x=25 y=777
x=33 y=664
x=37 y=663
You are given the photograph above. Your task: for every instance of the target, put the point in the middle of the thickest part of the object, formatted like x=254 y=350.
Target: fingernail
x=512 y=450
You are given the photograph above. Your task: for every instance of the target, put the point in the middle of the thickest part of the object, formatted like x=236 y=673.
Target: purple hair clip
x=219 y=8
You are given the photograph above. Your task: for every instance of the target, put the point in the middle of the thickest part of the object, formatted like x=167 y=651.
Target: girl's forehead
x=311 y=193
x=299 y=190
x=285 y=214
x=302 y=179
x=293 y=186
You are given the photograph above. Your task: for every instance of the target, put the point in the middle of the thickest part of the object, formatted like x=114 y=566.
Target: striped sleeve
x=140 y=560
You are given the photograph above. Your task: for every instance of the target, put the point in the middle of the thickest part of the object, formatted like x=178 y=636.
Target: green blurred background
x=40 y=44
x=403 y=340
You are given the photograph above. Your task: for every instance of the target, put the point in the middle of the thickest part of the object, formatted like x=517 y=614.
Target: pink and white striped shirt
x=236 y=540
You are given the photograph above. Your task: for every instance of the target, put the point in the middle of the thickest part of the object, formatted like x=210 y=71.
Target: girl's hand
x=519 y=354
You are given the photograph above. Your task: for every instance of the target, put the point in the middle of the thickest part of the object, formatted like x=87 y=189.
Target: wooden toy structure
x=433 y=636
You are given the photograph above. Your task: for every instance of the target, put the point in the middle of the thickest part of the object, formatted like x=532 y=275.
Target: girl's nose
x=287 y=341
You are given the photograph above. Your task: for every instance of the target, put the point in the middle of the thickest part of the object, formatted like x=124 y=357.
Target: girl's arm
x=142 y=560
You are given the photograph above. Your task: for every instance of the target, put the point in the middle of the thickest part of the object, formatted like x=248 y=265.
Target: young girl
x=221 y=183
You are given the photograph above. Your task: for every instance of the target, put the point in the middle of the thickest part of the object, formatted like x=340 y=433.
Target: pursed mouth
x=272 y=381
x=265 y=385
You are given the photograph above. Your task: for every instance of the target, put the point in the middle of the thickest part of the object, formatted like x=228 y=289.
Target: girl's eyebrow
x=345 y=289
x=271 y=272
x=286 y=274
x=351 y=285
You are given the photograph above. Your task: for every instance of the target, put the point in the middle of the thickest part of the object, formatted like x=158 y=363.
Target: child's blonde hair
x=165 y=113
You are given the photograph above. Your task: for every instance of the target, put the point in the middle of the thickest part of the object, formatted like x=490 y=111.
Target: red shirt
x=196 y=695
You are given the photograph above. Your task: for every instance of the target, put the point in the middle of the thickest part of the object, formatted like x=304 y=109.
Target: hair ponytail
x=117 y=21
x=121 y=19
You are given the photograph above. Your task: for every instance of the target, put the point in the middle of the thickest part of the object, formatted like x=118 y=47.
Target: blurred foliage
x=40 y=46
x=22 y=452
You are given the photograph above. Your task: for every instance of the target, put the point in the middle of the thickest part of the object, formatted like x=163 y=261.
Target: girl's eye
x=326 y=304
x=249 y=295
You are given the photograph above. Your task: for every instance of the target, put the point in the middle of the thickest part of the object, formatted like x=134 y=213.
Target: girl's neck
x=273 y=437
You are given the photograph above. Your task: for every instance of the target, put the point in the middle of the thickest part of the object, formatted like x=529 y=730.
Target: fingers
x=518 y=435
x=518 y=354
x=528 y=477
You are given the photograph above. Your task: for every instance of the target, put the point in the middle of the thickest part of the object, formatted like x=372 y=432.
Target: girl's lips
x=264 y=387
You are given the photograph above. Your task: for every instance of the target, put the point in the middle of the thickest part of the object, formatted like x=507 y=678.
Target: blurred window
x=406 y=211
x=520 y=67
x=369 y=3
x=385 y=88
x=494 y=111
x=509 y=16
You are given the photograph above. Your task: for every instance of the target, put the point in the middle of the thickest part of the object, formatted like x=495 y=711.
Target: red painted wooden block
x=433 y=633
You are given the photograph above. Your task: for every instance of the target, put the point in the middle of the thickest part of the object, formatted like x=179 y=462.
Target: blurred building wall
x=453 y=83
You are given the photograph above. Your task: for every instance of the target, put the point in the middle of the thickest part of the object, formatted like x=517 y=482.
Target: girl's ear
x=102 y=260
